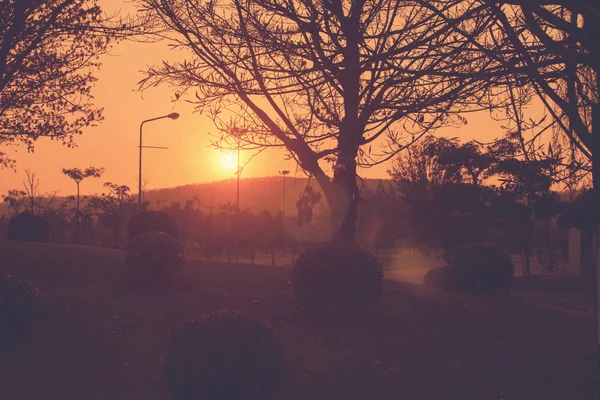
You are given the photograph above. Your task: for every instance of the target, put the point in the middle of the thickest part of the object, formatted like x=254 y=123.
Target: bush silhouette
x=440 y=276
x=155 y=257
x=27 y=227
x=480 y=268
x=18 y=301
x=223 y=356
x=146 y=221
x=336 y=276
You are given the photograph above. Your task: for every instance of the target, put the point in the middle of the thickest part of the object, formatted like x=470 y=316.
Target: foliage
x=189 y=221
x=326 y=80
x=556 y=58
x=150 y=220
x=31 y=199
x=446 y=187
x=78 y=175
x=116 y=206
x=18 y=302
x=305 y=204
x=379 y=218
x=548 y=260
x=48 y=54
x=331 y=275
x=577 y=213
x=480 y=268
x=440 y=276
x=223 y=356
x=155 y=257
x=27 y=227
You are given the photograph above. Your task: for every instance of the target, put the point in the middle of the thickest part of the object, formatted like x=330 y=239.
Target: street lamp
x=284 y=173
x=172 y=116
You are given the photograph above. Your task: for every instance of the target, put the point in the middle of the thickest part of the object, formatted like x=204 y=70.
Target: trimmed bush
x=479 y=268
x=27 y=227
x=223 y=356
x=18 y=301
x=336 y=276
x=440 y=276
x=155 y=256
x=146 y=221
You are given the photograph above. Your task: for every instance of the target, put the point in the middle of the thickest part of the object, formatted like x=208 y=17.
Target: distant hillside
x=256 y=194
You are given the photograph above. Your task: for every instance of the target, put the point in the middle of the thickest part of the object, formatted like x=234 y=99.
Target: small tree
x=116 y=205
x=524 y=196
x=78 y=175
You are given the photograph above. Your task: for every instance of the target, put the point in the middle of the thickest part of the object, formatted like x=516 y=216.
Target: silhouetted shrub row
x=147 y=221
x=18 y=301
x=476 y=268
x=440 y=276
x=155 y=257
x=27 y=227
x=336 y=276
x=223 y=356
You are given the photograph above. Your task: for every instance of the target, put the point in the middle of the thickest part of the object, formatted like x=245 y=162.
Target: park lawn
x=99 y=337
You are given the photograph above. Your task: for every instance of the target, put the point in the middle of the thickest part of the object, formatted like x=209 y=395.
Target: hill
x=256 y=194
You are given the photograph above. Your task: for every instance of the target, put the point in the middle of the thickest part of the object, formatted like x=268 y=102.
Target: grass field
x=100 y=337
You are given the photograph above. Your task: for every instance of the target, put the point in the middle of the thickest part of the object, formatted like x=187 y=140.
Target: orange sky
x=113 y=145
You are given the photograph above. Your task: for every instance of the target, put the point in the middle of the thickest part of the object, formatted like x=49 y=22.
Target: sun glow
x=228 y=161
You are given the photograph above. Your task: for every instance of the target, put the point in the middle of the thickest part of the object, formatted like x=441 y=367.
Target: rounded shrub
x=27 y=227
x=18 y=301
x=155 y=256
x=150 y=220
x=480 y=268
x=336 y=276
x=440 y=276
x=223 y=356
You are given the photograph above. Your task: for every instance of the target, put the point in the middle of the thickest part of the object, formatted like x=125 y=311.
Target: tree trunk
x=115 y=235
x=587 y=250
x=347 y=211
x=77 y=218
x=526 y=257
x=343 y=198
x=596 y=184
x=346 y=195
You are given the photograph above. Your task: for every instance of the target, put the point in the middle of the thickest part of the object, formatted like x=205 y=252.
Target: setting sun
x=228 y=161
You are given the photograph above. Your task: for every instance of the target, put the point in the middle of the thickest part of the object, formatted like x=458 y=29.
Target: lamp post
x=284 y=173
x=238 y=178
x=172 y=116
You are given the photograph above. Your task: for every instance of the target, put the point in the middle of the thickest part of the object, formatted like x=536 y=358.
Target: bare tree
x=326 y=80
x=30 y=199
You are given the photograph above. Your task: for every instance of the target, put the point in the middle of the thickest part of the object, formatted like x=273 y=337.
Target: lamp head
x=173 y=115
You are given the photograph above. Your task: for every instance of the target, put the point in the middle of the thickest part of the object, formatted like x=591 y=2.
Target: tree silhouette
x=31 y=199
x=78 y=175
x=326 y=80
x=48 y=55
x=116 y=205
x=554 y=48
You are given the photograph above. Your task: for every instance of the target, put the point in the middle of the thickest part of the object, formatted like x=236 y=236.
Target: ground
x=100 y=337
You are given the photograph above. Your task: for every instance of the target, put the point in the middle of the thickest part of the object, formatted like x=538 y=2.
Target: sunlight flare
x=228 y=161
